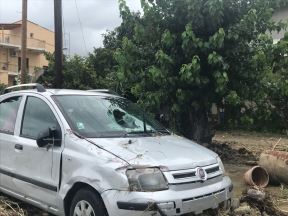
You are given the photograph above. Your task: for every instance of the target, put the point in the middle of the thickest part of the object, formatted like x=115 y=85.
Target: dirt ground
x=239 y=151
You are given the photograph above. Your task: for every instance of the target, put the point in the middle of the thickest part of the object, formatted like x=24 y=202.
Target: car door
x=37 y=170
x=9 y=110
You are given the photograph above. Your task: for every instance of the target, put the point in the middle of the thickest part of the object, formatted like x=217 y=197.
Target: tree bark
x=197 y=126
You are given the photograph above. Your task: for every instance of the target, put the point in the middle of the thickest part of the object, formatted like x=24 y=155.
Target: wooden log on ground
x=276 y=164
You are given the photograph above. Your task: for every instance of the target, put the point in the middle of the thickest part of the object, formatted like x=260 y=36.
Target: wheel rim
x=83 y=208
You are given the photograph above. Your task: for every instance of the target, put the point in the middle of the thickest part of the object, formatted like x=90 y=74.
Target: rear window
x=8 y=114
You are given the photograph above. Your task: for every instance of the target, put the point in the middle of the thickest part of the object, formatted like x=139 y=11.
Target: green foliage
x=276 y=83
x=92 y=72
x=179 y=57
x=2 y=87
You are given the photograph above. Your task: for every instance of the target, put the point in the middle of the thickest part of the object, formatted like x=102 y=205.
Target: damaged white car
x=80 y=153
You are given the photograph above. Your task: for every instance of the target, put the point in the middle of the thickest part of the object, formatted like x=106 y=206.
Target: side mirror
x=47 y=137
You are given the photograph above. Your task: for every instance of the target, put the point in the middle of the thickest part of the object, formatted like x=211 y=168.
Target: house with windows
x=39 y=41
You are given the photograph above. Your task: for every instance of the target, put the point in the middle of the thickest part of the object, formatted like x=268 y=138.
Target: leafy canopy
x=179 y=57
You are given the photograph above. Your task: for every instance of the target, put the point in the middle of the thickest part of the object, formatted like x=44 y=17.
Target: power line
x=81 y=26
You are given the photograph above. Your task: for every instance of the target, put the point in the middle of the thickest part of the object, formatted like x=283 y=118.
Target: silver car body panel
x=43 y=177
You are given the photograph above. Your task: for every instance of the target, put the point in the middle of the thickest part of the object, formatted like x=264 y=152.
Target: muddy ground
x=239 y=152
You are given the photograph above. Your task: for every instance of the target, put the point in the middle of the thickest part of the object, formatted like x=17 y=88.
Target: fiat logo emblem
x=201 y=173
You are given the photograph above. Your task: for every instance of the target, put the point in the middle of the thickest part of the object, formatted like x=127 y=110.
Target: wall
x=40 y=34
x=280 y=15
x=3 y=77
x=37 y=37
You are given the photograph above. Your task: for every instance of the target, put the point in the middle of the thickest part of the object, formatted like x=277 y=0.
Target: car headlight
x=146 y=179
x=221 y=165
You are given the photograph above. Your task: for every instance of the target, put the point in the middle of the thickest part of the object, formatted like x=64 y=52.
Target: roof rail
x=107 y=91
x=39 y=87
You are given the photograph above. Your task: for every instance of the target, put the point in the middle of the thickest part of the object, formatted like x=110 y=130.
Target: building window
x=12 y=52
x=31 y=35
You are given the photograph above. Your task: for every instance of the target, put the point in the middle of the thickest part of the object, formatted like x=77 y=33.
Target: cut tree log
x=276 y=164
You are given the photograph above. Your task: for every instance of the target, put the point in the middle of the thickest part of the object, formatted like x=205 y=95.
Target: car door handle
x=19 y=147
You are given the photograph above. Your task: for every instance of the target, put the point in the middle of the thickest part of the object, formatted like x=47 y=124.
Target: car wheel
x=87 y=203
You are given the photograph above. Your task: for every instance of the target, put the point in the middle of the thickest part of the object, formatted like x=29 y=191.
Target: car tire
x=87 y=202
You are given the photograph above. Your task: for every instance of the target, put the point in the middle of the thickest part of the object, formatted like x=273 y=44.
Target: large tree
x=179 y=57
x=276 y=83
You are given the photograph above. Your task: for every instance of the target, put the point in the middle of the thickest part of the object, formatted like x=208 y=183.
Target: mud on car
x=76 y=153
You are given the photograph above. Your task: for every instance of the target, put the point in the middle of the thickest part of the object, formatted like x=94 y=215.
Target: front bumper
x=170 y=202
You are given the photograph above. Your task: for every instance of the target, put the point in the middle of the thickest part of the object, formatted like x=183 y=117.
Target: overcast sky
x=96 y=17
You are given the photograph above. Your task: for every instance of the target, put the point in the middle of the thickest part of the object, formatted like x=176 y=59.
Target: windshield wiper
x=163 y=131
x=160 y=132
x=147 y=133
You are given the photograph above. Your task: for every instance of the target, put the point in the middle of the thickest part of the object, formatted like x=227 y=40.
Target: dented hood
x=171 y=151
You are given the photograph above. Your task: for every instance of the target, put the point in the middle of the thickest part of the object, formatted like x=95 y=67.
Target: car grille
x=184 y=175
x=193 y=173
x=183 y=186
x=189 y=176
x=212 y=170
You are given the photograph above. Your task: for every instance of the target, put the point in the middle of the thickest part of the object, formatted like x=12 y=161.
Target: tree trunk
x=196 y=126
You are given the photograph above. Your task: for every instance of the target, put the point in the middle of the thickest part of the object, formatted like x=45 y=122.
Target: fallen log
x=276 y=164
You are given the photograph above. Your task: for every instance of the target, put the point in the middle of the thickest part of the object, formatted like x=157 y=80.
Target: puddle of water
x=236 y=173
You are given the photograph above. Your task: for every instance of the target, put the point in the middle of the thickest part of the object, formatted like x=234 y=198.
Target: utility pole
x=58 y=43
x=24 y=43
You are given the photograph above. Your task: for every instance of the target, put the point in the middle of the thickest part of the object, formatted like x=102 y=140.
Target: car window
x=8 y=114
x=93 y=116
x=38 y=117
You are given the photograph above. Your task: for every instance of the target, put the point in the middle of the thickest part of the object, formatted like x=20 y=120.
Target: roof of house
x=20 y=22
x=9 y=26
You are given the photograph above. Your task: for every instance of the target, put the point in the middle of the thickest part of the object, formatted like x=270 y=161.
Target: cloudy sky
x=96 y=17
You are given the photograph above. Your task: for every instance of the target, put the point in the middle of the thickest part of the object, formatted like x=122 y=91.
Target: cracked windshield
x=94 y=116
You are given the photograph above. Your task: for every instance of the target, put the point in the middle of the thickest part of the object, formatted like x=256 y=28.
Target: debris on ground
x=10 y=208
x=276 y=164
x=231 y=155
x=256 y=194
x=245 y=209
x=248 y=206
x=267 y=206
x=242 y=150
x=13 y=207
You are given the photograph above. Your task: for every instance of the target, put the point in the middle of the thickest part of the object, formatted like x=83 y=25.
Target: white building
x=280 y=15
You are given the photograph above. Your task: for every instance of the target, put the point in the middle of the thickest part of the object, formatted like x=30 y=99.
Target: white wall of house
x=280 y=15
